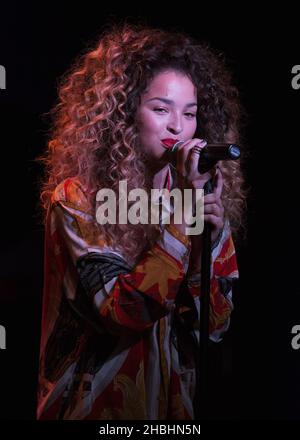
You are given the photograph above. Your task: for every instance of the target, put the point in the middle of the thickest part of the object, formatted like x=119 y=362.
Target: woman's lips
x=168 y=143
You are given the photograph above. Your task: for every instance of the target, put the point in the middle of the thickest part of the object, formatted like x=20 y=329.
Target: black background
x=38 y=43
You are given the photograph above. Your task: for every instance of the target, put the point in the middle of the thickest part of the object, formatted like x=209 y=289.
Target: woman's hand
x=189 y=177
x=187 y=165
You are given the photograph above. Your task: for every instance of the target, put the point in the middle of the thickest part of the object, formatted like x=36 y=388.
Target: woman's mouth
x=168 y=143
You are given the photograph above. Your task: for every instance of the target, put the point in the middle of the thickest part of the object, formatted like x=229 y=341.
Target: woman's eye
x=164 y=110
x=160 y=110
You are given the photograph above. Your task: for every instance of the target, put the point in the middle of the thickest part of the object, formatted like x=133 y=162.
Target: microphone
x=209 y=155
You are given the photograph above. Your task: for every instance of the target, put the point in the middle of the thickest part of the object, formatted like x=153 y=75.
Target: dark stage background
x=259 y=374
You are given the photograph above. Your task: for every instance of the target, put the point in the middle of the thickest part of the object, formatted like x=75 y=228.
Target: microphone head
x=172 y=155
x=176 y=145
x=234 y=151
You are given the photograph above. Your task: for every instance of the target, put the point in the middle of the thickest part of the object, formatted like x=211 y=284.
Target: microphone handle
x=221 y=151
x=210 y=154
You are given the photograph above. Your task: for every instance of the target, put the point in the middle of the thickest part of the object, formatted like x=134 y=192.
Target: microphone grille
x=176 y=145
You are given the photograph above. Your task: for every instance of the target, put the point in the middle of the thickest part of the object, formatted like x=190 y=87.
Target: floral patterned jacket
x=118 y=341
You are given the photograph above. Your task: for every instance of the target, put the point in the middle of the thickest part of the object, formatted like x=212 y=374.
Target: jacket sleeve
x=96 y=276
x=224 y=271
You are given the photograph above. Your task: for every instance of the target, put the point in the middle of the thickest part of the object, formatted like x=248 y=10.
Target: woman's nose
x=175 y=125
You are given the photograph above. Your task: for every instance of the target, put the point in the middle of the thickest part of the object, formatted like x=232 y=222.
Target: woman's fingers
x=213 y=208
x=212 y=199
x=194 y=152
x=188 y=157
x=216 y=221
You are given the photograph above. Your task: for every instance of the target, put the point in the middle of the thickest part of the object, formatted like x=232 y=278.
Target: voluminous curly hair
x=94 y=135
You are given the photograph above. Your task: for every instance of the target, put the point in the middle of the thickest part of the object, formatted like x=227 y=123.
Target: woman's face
x=167 y=111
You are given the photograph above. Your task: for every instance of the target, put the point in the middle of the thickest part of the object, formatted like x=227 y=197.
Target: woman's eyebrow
x=170 y=102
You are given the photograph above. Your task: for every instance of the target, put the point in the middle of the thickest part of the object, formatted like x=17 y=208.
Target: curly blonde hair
x=94 y=135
